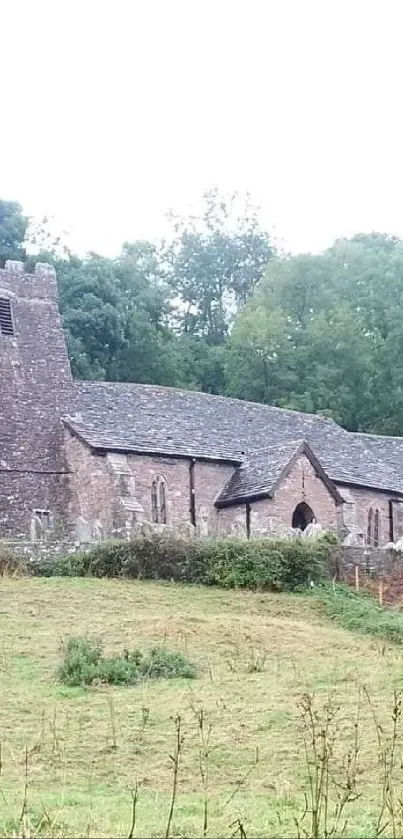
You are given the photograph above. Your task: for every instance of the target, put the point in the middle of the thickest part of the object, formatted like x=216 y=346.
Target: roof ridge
x=376 y=436
x=299 y=441
x=218 y=396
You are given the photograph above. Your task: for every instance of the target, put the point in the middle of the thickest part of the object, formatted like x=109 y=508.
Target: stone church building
x=89 y=460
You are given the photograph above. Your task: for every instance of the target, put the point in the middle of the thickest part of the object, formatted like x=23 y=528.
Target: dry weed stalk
x=204 y=761
x=112 y=720
x=391 y=809
x=328 y=795
x=135 y=795
x=242 y=781
x=239 y=829
x=175 y=758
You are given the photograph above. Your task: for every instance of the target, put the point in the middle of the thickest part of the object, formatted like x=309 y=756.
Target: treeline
x=219 y=309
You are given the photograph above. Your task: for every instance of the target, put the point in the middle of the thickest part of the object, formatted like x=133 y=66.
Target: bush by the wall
x=84 y=664
x=275 y=564
x=70 y=565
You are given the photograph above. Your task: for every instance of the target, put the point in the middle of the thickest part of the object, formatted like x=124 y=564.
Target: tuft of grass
x=84 y=664
x=360 y=613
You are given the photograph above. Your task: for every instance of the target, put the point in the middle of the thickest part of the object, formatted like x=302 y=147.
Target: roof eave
x=239 y=500
x=103 y=449
x=358 y=485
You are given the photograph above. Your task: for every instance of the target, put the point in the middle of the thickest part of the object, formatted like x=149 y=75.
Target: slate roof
x=168 y=421
x=388 y=449
x=263 y=470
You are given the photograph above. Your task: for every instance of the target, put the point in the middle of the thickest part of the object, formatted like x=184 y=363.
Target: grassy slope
x=76 y=775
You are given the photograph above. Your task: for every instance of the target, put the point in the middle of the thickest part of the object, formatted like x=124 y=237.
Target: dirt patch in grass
x=83 y=750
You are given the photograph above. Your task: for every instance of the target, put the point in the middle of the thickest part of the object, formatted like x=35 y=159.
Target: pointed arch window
x=373 y=527
x=376 y=528
x=159 y=500
x=370 y=525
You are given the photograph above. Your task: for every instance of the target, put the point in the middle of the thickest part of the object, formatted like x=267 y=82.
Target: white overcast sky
x=114 y=112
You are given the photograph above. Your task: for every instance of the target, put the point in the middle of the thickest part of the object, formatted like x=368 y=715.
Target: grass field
x=71 y=757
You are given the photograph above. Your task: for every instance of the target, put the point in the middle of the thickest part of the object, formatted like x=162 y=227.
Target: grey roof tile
x=147 y=418
x=263 y=469
x=259 y=473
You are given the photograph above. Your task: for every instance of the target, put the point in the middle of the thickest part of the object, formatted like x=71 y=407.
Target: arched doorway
x=302 y=516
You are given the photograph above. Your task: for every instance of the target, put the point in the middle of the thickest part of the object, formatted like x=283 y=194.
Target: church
x=83 y=461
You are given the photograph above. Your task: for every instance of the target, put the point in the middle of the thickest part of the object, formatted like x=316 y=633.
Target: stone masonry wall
x=274 y=516
x=303 y=484
x=356 y=508
x=92 y=487
x=209 y=478
x=21 y=493
x=35 y=390
x=113 y=492
x=175 y=472
x=36 y=386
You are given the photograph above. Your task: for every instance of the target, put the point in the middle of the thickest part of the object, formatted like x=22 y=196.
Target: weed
x=327 y=795
x=175 y=758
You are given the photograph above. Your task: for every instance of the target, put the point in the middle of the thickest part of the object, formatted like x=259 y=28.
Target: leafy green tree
x=116 y=316
x=13 y=229
x=215 y=261
x=324 y=334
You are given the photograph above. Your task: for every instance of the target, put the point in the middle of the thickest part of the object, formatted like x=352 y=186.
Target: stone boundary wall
x=39 y=550
x=374 y=562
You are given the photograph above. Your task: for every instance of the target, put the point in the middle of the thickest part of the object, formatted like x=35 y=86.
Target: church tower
x=36 y=389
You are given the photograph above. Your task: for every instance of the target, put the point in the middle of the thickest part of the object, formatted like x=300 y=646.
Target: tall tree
x=215 y=261
x=13 y=229
x=335 y=323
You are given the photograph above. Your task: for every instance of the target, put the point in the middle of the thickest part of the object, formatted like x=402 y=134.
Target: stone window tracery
x=376 y=528
x=373 y=527
x=159 y=500
x=370 y=525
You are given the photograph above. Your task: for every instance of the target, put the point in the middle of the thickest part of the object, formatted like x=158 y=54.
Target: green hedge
x=227 y=562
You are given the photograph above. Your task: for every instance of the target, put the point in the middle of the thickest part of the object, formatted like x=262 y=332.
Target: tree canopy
x=218 y=309
x=323 y=334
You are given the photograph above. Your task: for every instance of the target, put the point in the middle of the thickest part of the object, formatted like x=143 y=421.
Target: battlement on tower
x=41 y=284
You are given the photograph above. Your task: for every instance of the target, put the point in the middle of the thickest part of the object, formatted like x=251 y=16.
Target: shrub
x=84 y=664
x=276 y=564
x=71 y=565
x=264 y=563
x=81 y=662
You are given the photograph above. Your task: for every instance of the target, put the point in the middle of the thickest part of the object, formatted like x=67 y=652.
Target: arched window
x=376 y=528
x=158 y=501
x=370 y=526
